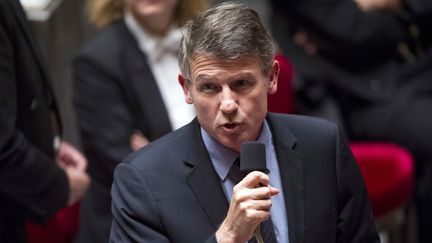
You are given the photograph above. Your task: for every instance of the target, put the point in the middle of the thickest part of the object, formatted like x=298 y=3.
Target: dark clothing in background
x=359 y=63
x=115 y=94
x=376 y=66
x=32 y=186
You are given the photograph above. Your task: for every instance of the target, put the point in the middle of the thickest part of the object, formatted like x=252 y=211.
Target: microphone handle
x=258 y=235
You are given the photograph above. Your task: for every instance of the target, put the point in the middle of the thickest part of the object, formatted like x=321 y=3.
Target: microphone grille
x=253 y=157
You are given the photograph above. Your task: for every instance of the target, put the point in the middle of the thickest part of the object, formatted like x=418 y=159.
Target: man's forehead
x=208 y=61
x=208 y=66
x=229 y=58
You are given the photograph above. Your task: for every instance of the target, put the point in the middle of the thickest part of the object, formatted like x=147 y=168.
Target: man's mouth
x=231 y=127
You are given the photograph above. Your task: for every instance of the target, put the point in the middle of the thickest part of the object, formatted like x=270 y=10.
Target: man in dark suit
x=32 y=185
x=181 y=187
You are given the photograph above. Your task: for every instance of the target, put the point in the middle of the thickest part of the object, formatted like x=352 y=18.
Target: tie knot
x=237 y=162
x=235 y=174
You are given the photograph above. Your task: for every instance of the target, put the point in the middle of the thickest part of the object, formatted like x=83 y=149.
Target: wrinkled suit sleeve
x=135 y=211
x=355 y=219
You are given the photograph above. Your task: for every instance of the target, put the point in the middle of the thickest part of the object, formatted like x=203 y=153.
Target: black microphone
x=253 y=157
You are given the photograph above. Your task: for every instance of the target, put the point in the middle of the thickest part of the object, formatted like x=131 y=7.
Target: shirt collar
x=222 y=157
x=154 y=46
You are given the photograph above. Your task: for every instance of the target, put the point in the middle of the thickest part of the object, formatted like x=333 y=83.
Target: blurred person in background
x=373 y=58
x=126 y=92
x=39 y=173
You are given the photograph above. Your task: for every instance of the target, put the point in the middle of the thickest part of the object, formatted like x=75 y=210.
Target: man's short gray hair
x=226 y=31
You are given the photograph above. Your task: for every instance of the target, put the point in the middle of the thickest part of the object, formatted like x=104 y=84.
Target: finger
x=254 y=179
x=259 y=193
x=269 y=191
x=259 y=205
x=74 y=159
x=81 y=163
x=258 y=215
x=61 y=164
x=138 y=140
x=250 y=197
x=273 y=191
x=79 y=160
x=70 y=156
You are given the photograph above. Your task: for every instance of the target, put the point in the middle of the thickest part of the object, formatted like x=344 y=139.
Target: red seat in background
x=283 y=100
x=388 y=171
x=62 y=228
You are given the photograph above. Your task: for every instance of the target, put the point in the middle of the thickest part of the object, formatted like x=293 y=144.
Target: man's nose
x=228 y=104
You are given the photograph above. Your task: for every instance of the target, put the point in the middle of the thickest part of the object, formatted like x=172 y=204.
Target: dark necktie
x=266 y=227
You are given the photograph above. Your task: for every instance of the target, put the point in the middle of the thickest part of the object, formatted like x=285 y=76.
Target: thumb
x=273 y=190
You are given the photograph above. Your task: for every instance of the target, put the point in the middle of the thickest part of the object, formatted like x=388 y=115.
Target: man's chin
x=231 y=142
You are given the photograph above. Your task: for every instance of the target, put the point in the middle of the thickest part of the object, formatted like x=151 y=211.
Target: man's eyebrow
x=205 y=77
x=243 y=76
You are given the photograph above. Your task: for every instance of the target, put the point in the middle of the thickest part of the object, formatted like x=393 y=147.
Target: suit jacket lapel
x=291 y=170
x=143 y=91
x=204 y=181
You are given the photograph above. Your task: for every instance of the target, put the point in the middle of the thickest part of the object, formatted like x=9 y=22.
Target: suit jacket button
x=375 y=85
x=34 y=104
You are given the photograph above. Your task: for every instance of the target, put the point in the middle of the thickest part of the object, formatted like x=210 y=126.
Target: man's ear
x=183 y=83
x=273 y=77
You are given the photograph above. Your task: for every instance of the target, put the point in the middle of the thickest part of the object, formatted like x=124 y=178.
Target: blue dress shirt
x=222 y=159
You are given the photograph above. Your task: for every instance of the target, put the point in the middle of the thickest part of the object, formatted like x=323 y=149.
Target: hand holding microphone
x=251 y=198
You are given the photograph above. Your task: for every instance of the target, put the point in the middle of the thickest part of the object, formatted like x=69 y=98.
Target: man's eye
x=242 y=84
x=208 y=88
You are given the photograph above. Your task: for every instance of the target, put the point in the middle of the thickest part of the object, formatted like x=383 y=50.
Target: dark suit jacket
x=31 y=184
x=170 y=192
x=115 y=94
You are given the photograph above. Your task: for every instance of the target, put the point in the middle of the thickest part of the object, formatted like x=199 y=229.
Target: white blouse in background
x=161 y=56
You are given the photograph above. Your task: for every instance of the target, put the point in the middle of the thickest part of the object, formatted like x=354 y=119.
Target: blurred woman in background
x=126 y=92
